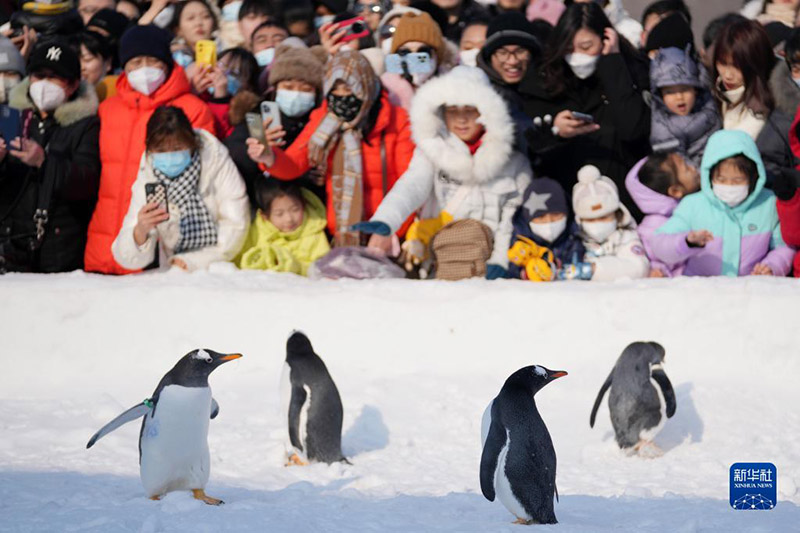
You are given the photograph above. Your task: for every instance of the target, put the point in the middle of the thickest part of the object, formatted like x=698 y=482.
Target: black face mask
x=345 y=107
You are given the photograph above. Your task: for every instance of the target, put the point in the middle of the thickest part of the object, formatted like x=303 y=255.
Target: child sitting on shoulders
x=288 y=233
x=608 y=230
x=731 y=226
x=657 y=183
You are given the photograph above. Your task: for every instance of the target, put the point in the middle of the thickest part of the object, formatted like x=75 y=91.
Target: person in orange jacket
x=151 y=79
x=358 y=137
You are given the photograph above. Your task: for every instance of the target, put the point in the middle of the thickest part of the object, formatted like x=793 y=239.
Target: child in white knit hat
x=607 y=228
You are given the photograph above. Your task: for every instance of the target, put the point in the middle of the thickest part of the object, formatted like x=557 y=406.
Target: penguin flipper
x=495 y=440
x=214 y=408
x=658 y=374
x=295 y=407
x=599 y=399
x=137 y=411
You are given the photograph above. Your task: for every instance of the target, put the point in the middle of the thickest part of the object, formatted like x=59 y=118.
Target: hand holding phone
x=355 y=28
x=205 y=52
x=583 y=117
x=271 y=110
x=10 y=124
x=156 y=193
x=255 y=127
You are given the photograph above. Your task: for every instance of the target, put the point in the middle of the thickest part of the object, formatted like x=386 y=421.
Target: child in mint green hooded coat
x=730 y=230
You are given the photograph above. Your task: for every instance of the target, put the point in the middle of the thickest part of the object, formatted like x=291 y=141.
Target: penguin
x=312 y=405
x=637 y=411
x=173 y=440
x=518 y=463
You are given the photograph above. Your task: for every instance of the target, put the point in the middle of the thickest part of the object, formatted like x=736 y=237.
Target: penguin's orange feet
x=294 y=460
x=522 y=522
x=648 y=449
x=200 y=494
x=155 y=498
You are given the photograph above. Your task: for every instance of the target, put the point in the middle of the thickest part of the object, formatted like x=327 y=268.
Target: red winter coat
x=789 y=215
x=392 y=124
x=123 y=123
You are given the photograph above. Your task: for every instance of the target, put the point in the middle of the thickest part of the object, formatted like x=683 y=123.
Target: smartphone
x=416 y=63
x=255 y=127
x=583 y=117
x=205 y=52
x=156 y=192
x=10 y=124
x=271 y=109
x=356 y=29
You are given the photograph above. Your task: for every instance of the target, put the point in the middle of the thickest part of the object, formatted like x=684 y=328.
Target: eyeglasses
x=422 y=50
x=386 y=31
x=520 y=54
x=377 y=9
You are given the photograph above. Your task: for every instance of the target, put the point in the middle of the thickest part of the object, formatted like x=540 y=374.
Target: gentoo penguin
x=312 y=405
x=518 y=463
x=173 y=441
x=633 y=401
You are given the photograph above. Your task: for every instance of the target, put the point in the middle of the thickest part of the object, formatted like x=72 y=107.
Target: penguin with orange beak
x=173 y=441
x=518 y=463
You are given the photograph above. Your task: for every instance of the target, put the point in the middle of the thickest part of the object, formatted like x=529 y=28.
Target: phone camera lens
x=358 y=27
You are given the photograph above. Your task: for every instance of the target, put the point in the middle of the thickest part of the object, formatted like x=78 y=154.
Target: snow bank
x=416 y=363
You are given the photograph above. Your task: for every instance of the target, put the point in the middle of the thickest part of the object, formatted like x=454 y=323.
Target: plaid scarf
x=197 y=228
x=347 y=172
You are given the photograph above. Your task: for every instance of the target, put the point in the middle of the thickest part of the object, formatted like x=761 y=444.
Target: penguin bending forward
x=518 y=463
x=312 y=405
x=634 y=403
x=173 y=441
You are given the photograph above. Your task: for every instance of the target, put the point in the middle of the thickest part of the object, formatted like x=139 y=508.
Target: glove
x=786 y=182
x=575 y=271
x=495 y=272
x=376 y=227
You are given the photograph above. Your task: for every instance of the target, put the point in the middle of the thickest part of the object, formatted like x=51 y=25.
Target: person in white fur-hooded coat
x=479 y=178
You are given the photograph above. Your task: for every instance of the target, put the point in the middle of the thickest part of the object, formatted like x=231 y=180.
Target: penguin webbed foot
x=524 y=522
x=200 y=494
x=295 y=460
x=648 y=449
x=156 y=498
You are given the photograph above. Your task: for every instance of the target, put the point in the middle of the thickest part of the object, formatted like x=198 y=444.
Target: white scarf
x=737 y=116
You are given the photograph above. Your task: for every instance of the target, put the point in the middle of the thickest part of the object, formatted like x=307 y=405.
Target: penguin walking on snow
x=518 y=463
x=637 y=412
x=312 y=405
x=173 y=441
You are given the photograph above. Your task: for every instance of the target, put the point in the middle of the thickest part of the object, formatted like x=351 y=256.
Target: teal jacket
x=744 y=235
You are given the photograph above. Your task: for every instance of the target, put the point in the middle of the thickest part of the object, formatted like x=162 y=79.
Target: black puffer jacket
x=72 y=165
x=615 y=96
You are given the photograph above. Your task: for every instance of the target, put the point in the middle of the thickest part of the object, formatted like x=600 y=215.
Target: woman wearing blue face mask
x=295 y=81
x=586 y=67
x=236 y=71
x=205 y=213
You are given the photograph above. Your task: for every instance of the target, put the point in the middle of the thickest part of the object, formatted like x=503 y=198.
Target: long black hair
x=557 y=75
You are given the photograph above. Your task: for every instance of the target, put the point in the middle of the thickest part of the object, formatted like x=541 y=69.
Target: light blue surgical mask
x=182 y=58
x=796 y=81
x=295 y=103
x=230 y=12
x=264 y=57
x=171 y=164
x=233 y=85
x=322 y=20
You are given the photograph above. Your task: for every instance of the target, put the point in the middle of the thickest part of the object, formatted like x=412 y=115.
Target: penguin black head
x=643 y=356
x=298 y=344
x=535 y=377
x=192 y=369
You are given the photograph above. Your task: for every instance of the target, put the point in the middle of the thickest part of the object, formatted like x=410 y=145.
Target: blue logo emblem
x=754 y=486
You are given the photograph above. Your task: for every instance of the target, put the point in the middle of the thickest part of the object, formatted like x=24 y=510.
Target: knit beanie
x=422 y=28
x=10 y=58
x=112 y=22
x=292 y=63
x=147 y=40
x=509 y=28
x=673 y=31
x=544 y=195
x=594 y=195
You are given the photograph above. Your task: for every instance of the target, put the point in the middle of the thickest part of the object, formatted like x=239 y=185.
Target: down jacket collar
x=463 y=86
x=83 y=104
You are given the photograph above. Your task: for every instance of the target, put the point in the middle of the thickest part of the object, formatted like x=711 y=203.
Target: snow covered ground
x=416 y=363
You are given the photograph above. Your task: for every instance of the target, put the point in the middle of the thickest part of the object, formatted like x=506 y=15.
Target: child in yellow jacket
x=288 y=233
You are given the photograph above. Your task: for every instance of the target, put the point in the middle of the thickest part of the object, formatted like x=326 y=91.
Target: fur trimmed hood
x=463 y=86
x=84 y=103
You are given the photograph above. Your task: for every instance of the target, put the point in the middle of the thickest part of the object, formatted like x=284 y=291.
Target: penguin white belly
x=175 y=441
x=502 y=487
x=303 y=425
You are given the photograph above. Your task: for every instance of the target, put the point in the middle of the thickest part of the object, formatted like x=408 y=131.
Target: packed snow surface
x=416 y=364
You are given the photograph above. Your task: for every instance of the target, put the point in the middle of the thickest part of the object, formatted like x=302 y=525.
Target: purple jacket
x=657 y=208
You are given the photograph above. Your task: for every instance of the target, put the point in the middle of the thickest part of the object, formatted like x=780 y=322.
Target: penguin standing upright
x=312 y=405
x=518 y=463
x=173 y=441
x=634 y=403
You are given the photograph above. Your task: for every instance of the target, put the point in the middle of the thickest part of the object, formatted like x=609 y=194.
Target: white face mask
x=582 y=65
x=47 y=95
x=147 y=80
x=599 y=231
x=549 y=231
x=732 y=195
x=386 y=46
x=796 y=81
x=735 y=95
x=469 y=57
